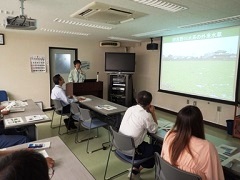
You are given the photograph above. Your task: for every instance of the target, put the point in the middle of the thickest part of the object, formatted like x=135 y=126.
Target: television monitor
x=119 y=62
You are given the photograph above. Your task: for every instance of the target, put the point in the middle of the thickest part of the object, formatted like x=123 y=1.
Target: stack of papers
x=165 y=125
x=13 y=121
x=225 y=152
x=17 y=109
x=34 y=118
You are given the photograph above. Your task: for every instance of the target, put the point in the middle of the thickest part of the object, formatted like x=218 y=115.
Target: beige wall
x=15 y=75
x=20 y=83
x=147 y=78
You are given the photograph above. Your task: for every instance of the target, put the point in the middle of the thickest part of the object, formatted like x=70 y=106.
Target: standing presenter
x=77 y=75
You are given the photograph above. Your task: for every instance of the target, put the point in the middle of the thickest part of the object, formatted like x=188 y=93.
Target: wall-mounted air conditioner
x=109 y=44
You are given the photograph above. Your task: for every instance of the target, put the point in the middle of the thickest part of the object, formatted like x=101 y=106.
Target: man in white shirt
x=77 y=75
x=137 y=121
x=59 y=93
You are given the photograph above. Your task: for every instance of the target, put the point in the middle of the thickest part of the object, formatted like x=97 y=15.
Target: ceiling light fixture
x=64 y=32
x=162 y=5
x=82 y=24
x=222 y=20
x=123 y=39
x=151 y=33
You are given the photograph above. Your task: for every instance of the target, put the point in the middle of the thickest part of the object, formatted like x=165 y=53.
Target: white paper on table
x=44 y=153
x=14 y=121
x=34 y=118
x=225 y=149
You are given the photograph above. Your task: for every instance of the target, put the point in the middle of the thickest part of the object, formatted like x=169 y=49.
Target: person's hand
x=50 y=162
x=151 y=109
x=2 y=107
x=81 y=98
x=5 y=112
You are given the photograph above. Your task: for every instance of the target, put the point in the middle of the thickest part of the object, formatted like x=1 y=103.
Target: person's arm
x=70 y=77
x=212 y=166
x=82 y=74
x=152 y=111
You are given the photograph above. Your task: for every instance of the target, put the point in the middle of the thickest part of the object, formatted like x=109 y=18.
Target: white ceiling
x=45 y=11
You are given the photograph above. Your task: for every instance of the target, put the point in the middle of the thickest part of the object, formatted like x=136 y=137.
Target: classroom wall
x=16 y=77
x=20 y=83
x=146 y=77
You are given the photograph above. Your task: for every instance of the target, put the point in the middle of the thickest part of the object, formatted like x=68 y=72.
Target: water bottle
x=97 y=76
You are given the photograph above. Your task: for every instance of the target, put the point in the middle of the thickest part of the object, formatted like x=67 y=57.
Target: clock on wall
x=1 y=39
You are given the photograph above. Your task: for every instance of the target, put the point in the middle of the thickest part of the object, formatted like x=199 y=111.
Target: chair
x=3 y=96
x=85 y=120
x=124 y=147
x=165 y=171
x=58 y=109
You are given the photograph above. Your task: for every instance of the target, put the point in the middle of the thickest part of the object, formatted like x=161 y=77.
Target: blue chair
x=3 y=96
x=124 y=149
x=85 y=120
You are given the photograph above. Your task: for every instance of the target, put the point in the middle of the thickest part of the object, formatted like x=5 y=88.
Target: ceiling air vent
x=109 y=44
x=100 y=12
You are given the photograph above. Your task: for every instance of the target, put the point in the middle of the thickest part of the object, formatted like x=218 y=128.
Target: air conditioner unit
x=109 y=44
x=101 y=12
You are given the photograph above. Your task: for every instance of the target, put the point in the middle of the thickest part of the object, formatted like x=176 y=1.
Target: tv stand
x=120 y=89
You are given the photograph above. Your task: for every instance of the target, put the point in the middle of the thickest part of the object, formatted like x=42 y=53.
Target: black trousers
x=145 y=150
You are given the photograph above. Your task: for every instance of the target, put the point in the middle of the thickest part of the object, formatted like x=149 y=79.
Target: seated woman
x=186 y=148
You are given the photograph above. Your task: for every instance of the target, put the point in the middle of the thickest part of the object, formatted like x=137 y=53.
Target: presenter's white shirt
x=136 y=123
x=76 y=76
x=59 y=93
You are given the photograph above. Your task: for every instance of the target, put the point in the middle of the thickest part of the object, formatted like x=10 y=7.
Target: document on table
x=225 y=152
x=13 y=121
x=106 y=107
x=33 y=118
x=42 y=145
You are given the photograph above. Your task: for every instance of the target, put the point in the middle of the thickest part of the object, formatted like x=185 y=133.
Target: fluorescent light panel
x=64 y=32
x=123 y=39
x=162 y=5
x=222 y=20
x=150 y=33
x=82 y=24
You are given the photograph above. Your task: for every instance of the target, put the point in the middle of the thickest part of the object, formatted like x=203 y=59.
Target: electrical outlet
x=188 y=101
x=195 y=103
x=219 y=108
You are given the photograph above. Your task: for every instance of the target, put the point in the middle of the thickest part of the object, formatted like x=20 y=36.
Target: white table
x=112 y=117
x=67 y=166
x=30 y=109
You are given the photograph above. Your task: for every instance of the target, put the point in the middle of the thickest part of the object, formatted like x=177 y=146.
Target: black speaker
x=152 y=46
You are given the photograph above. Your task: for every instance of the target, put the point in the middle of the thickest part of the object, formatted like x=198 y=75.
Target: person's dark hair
x=144 y=98
x=77 y=62
x=189 y=123
x=56 y=79
x=24 y=165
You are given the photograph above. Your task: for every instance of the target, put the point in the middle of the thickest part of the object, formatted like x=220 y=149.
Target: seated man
x=10 y=137
x=59 y=93
x=137 y=121
x=24 y=165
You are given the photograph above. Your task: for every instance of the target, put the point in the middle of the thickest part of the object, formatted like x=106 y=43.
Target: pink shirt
x=205 y=161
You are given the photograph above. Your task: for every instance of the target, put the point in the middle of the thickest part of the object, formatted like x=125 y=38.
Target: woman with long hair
x=185 y=146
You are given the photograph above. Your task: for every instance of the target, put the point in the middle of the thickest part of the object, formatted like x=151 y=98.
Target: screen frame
x=237 y=91
x=120 y=71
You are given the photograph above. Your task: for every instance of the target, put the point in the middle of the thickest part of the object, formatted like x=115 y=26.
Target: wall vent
x=109 y=44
